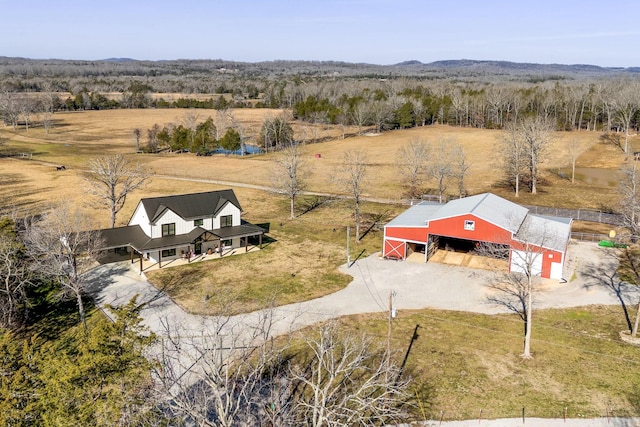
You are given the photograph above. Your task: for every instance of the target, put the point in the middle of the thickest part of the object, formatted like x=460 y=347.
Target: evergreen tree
x=231 y=140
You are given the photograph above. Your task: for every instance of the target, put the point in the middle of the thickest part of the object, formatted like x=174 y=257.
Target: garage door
x=521 y=259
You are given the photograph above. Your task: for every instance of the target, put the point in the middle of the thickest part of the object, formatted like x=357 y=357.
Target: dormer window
x=169 y=229
x=226 y=221
x=469 y=225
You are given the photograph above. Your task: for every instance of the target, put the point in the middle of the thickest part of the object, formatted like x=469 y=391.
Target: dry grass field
x=466 y=361
x=77 y=137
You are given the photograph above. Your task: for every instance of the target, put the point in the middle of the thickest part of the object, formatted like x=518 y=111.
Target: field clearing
x=77 y=137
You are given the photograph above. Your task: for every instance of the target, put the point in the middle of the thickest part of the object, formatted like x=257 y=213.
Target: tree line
x=604 y=104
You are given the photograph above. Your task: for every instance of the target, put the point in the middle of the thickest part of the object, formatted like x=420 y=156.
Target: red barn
x=484 y=220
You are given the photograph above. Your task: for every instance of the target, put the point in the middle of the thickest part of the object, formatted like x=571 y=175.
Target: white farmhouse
x=183 y=226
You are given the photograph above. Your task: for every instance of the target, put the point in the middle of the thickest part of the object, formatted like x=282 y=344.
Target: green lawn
x=298 y=262
x=463 y=362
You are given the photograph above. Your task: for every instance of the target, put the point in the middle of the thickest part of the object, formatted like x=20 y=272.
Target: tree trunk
x=83 y=316
x=357 y=221
x=527 y=336
x=634 y=331
x=292 y=200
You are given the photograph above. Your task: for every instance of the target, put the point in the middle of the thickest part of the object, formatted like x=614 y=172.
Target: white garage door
x=521 y=259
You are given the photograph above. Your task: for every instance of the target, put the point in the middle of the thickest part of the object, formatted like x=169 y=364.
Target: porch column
x=131 y=258
x=260 y=241
x=246 y=244
x=160 y=259
x=189 y=254
x=140 y=254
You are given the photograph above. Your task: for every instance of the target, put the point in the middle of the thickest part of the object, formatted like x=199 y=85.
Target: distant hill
x=461 y=69
x=118 y=60
x=500 y=67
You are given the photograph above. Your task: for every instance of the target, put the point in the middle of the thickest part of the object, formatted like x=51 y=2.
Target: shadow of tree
x=604 y=274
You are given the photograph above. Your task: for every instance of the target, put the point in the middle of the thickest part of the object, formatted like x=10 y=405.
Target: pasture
x=79 y=136
x=464 y=362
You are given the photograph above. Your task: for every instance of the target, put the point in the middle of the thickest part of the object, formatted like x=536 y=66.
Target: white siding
x=168 y=217
x=520 y=260
x=140 y=218
x=228 y=209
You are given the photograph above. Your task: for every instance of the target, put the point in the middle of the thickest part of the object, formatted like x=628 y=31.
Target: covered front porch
x=198 y=245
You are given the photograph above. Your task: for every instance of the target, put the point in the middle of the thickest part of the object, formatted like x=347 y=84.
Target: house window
x=169 y=252
x=197 y=222
x=226 y=243
x=169 y=229
x=469 y=225
x=226 y=221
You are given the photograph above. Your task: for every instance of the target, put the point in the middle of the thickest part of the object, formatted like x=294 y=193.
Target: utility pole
x=391 y=316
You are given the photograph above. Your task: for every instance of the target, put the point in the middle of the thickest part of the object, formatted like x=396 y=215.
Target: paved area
x=414 y=285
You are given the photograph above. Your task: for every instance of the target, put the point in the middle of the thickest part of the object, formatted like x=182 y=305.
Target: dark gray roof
x=244 y=230
x=132 y=235
x=189 y=206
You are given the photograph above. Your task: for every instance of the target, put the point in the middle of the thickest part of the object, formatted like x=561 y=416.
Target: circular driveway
x=414 y=285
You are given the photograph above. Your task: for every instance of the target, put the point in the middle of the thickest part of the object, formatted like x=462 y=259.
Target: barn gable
x=484 y=218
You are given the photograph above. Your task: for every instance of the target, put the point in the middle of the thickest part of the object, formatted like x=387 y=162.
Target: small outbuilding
x=484 y=223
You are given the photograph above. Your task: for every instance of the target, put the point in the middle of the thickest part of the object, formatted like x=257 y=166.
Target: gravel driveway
x=416 y=285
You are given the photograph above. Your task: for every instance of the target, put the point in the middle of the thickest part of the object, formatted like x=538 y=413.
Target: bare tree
x=10 y=108
x=345 y=381
x=529 y=138
x=47 y=102
x=514 y=156
x=526 y=262
x=152 y=138
x=276 y=132
x=629 y=271
x=412 y=163
x=442 y=164
x=137 y=132
x=190 y=121
x=360 y=114
x=352 y=179
x=62 y=248
x=288 y=176
x=607 y=271
x=461 y=167
x=575 y=150
x=626 y=106
x=630 y=192
x=381 y=113
x=15 y=275
x=228 y=374
x=112 y=178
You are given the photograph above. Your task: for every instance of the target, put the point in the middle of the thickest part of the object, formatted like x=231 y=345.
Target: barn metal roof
x=545 y=231
x=416 y=215
x=487 y=206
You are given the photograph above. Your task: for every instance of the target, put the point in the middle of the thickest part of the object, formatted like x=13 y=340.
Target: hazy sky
x=597 y=32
